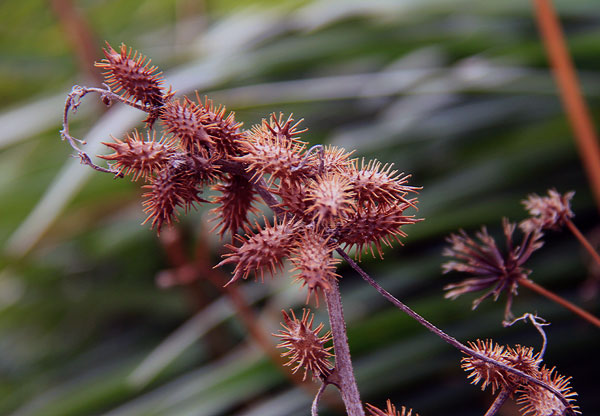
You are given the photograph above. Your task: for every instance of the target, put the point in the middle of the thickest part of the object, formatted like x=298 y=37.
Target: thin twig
x=538 y=323
x=447 y=338
x=570 y=91
x=498 y=402
x=315 y=403
x=584 y=241
x=560 y=300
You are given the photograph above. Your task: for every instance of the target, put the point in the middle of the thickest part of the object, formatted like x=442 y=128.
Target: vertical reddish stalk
x=343 y=363
x=566 y=78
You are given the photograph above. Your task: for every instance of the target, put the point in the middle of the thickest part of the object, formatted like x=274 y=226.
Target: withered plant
x=324 y=203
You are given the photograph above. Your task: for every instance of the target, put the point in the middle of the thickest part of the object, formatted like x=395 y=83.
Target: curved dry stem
x=315 y=403
x=447 y=338
x=498 y=402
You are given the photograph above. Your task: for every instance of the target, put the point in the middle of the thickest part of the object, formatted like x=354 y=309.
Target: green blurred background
x=457 y=93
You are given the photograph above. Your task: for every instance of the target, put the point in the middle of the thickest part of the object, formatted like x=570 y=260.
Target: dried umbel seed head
x=186 y=121
x=548 y=212
x=234 y=204
x=490 y=267
x=142 y=158
x=306 y=348
x=261 y=251
x=481 y=371
x=314 y=264
x=329 y=197
x=369 y=225
x=537 y=401
x=375 y=183
x=133 y=75
x=390 y=410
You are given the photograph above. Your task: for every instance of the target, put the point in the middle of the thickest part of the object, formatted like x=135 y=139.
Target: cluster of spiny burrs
x=532 y=398
x=389 y=411
x=323 y=199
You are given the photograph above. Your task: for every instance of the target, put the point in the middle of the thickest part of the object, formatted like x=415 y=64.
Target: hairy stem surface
x=343 y=363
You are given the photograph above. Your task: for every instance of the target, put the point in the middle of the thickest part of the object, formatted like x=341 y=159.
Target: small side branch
x=315 y=403
x=500 y=399
x=447 y=338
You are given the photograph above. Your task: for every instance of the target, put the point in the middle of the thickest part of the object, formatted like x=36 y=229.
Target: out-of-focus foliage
x=456 y=93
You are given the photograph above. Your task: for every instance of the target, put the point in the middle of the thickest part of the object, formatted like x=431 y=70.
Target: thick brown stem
x=343 y=363
x=570 y=92
x=584 y=241
x=561 y=301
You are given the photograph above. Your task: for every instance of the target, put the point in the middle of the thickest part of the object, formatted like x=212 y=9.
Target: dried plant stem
x=343 y=363
x=584 y=241
x=315 y=404
x=561 y=301
x=447 y=338
x=566 y=78
x=498 y=402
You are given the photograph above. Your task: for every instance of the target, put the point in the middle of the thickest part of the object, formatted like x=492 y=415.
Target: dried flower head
x=390 y=411
x=263 y=250
x=491 y=268
x=133 y=75
x=330 y=197
x=284 y=130
x=538 y=401
x=548 y=212
x=314 y=263
x=483 y=372
x=306 y=348
x=142 y=158
x=369 y=225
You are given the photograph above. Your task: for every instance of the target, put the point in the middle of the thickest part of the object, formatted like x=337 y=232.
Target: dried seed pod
x=222 y=128
x=390 y=410
x=174 y=187
x=142 y=158
x=294 y=194
x=538 y=401
x=261 y=251
x=375 y=183
x=368 y=226
x=523 y=359
x=235 y=204
x=314 y=264
x=483 y=372
x=133 y=75
x=306 y=348
x=268 y=154
x=186 y=121
x=330 y=197
x=287 y=130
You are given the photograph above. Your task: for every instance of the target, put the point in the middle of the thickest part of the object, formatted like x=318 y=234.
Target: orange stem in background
x=584 y=241
x=570 y=92
x=561 y=301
